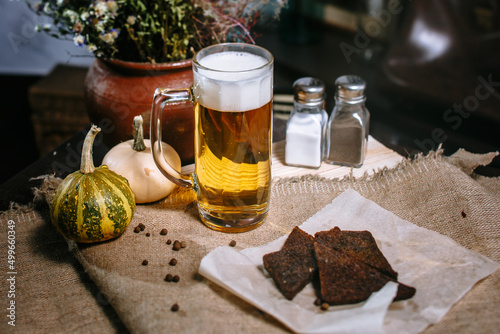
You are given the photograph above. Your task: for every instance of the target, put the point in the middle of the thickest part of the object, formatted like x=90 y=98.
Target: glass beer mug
x=232 y=94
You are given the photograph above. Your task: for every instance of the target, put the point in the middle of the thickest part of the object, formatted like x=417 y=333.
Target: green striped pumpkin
x=92 y=204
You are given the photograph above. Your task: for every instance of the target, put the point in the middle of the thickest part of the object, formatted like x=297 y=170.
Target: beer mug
x=232 y=94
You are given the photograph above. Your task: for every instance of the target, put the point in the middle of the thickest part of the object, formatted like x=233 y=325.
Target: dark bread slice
x=294 y=265
x=346 y=280
x=358 y=244
x=291 y=268
x=299 y=237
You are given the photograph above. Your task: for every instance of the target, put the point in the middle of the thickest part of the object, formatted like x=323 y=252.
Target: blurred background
x=432 y=68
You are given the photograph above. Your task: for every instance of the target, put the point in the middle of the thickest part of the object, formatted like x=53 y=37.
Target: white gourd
x=133 y=160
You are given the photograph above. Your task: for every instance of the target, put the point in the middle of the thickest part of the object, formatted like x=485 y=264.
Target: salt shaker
x=306 y=127
x=348 y=126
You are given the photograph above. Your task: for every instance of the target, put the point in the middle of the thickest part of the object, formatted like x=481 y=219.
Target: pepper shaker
x=306 y=127
x=348 y=126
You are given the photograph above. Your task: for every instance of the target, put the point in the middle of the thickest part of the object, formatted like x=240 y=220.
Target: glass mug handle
x=165 y=96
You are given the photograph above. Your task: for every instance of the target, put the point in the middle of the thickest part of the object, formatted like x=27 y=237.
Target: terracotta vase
x=117 y=91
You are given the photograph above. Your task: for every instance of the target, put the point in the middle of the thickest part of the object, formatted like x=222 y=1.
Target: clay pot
x=116 y=91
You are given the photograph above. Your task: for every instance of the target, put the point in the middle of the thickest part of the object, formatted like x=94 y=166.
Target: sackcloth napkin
x=104 y=288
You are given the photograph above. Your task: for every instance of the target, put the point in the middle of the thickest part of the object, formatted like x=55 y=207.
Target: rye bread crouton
x=358 y=244
x=291 y=269
x=294 y=265
x=345 y=280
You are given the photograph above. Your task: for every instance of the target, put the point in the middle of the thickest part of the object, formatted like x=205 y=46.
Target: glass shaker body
x=305 y=136
x=348 y=129
x=306 y=127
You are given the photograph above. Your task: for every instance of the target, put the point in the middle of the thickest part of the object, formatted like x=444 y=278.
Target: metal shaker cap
x=310 y=91
x=350 y=87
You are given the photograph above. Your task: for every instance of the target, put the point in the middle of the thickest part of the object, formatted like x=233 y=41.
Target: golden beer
x=233 y=152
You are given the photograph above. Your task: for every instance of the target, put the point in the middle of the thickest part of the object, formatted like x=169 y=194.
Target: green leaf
x=141 y=6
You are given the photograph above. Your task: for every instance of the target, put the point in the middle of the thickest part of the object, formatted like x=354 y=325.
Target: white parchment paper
x=441 y=270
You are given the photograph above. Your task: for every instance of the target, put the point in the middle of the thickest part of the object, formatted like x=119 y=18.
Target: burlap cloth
x=107 y=289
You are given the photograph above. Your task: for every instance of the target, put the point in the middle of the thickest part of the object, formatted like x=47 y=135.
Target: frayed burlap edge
x=462 y=159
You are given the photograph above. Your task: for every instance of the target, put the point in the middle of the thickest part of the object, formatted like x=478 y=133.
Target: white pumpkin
x=133 y=160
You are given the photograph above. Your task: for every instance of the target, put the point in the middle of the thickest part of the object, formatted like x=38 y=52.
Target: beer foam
x=235 y=81
x=232 y=61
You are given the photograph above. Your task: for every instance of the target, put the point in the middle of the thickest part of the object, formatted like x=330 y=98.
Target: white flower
x=101 y=8
x=91 y=47
x=79 y=40
x=112 y=6
x=100 y=27
x=131 y=20
x=46 y=8
x=108 y=38
x=72 y=15
x=84 y=16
